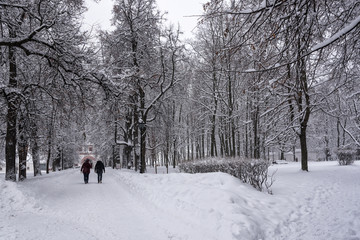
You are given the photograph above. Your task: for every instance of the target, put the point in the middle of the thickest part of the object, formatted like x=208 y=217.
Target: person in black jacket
x=99 y=169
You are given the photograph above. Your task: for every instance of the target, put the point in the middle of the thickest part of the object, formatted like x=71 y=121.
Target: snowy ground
x=321 y=204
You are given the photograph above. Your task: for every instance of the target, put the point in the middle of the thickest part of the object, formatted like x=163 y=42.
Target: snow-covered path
x=72 y=210
x=322 y=204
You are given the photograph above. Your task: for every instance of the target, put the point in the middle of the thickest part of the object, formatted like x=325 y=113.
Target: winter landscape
x=320 y=204
x=214 y=119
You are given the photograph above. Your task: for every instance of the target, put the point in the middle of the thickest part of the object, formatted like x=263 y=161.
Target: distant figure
x=99 y=169
x=85 y=169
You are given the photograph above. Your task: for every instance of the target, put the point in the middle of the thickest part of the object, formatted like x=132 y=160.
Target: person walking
x=85 y=169
x=99 y=169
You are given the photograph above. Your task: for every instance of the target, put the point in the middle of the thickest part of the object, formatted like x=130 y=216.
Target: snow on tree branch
x=337 y=35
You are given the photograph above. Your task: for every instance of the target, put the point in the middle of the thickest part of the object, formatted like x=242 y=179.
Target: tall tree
x=136 y=55
x=46 y=33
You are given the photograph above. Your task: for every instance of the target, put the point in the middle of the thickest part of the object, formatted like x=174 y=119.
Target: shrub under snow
x=251 y=171
x=346 y=156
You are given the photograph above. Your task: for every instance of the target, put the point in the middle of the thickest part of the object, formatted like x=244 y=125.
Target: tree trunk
x=22 y=147
x=233 y=135
x=35 y=148
x=36 y=157
x=48 y=157
x=174 y=156
x=222 y=144
x=166 y=155
x=246 y=145
x=12 y=99
x=202 y=143
x=338 y=132
x=226 y=141
x=50 y=138
x=238 y=144
x=197 y=149
x=306 y=115
x=232 y=145
x=143 y=149
x=192 y=150
x=188 y=142
x=213 y=151
x=255 y=130
x=304 y=152
x=128 y=136
x=302 y=86
x=136 y=135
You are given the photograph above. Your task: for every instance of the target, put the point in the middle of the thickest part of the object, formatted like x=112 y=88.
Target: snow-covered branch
x=355 y=23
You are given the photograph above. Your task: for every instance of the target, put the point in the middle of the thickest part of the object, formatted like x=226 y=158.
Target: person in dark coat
x=99 y=169
x=85 y=169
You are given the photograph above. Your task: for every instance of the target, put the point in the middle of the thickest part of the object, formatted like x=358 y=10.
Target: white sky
x=99 y=14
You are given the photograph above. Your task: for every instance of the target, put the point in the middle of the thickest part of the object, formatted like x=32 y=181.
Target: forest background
x=259 y=77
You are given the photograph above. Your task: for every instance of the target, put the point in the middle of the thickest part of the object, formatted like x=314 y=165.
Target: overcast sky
x=179 y=11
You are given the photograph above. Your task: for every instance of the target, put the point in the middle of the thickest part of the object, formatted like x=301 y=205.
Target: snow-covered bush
x=253 y=172
x=346 y=156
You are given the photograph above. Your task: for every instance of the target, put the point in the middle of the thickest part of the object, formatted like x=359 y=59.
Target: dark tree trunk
x=246 y=145
x=188 y=142
x=48 y=157
x=142 y=149
x=338 y=132
x=226 y=142
x=174 y=156
x=49 y=138
x=306 y=115
x=233 y=152
x=255 y=130
x=192 y=150
x=22 y=147
x=35 y=148
x=35 y=157
x=128 y=136
x=166 y=156
x=238 y=143
x=197 y=149
x=10 y=146
x=213 y=151
x=302 y=85
x=222 y=144
x=304 y=152
x=282 y=157
x=12 y=102
x=135 y=133
x=202 y=143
